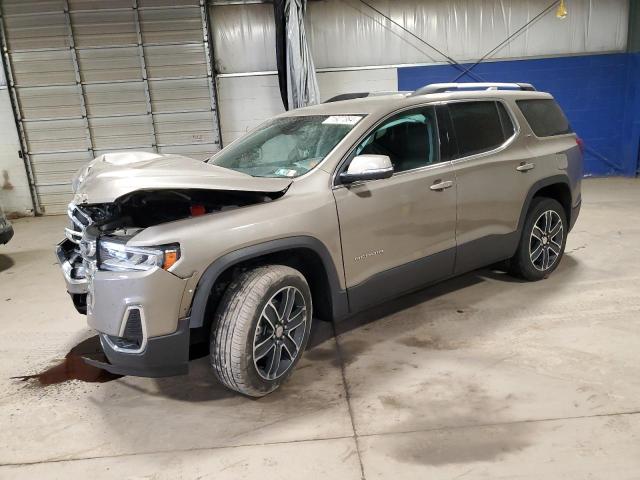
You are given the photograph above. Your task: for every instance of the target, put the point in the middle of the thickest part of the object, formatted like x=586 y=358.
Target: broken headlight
x=116 y=256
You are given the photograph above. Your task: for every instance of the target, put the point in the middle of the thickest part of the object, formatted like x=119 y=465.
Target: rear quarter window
x=478 y=127
x=545 y=117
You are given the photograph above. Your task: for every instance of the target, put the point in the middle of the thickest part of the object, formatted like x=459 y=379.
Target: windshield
x=286 y=147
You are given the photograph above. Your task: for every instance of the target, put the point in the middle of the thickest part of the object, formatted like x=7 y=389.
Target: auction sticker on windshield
x=342 y=120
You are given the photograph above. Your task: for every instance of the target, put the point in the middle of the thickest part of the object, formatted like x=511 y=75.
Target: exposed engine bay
x=142 y=209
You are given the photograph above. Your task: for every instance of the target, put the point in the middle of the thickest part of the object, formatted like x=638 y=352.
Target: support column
x=208 y=50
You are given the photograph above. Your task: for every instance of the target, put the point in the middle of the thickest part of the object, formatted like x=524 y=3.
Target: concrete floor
x=480 y=377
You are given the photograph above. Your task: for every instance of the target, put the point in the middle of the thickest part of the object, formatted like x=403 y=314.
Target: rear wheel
x=542 y=242
x=261 y=329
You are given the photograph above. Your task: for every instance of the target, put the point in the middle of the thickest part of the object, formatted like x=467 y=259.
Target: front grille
x=80 y=254
x=79 y=221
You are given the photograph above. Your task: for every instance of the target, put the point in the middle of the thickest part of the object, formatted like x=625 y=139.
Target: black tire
x=240 y=325
x=522 y=264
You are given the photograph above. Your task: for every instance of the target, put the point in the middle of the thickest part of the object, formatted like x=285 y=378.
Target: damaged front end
x=117 y=195
x=130 y=293
x=113 y=224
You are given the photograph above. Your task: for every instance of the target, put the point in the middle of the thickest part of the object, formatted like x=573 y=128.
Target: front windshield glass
x=286 y=147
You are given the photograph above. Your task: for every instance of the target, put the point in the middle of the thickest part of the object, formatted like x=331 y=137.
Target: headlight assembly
x=116 y=256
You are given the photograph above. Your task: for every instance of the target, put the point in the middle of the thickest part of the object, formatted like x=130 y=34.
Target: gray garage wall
x=92 y=76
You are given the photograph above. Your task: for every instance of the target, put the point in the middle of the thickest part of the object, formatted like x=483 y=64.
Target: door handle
x=525 y=167
x=441 y=185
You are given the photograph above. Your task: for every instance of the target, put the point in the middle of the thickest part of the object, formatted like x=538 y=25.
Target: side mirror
x=367 y=167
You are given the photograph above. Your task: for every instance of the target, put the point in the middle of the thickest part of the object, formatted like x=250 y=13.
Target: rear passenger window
x=477 y=127
x=545 y=117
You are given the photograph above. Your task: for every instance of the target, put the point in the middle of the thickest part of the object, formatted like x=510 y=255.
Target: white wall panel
x=14 y=186
x=346 y=33
x=245 y=102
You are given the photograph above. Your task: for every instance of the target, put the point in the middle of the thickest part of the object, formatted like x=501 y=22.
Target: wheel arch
x=307 y=254
x=556 y=187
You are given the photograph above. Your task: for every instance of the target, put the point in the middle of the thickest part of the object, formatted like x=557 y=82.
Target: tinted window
x=408 y=139
x=545 y=117
x=477 y=127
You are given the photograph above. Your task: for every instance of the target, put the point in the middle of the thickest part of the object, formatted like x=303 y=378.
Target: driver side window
x=409 y=139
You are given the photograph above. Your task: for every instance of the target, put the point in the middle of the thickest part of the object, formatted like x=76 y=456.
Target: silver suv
x=317 y=214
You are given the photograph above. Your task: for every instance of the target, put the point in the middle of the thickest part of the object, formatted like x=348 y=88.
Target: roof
x=385 y=103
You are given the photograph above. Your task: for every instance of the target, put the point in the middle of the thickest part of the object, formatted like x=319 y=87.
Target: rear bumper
x=575 y=211
x=163 y=356
x=6 y=233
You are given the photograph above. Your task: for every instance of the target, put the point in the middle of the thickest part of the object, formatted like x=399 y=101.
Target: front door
x=399 y=233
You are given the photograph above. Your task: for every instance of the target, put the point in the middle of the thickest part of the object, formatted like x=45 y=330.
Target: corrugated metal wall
x=93 y=76
x=347 y=33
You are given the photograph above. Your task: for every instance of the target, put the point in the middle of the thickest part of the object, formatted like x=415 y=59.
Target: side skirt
x=424 y=272
x=485 y=251
x=399 y=280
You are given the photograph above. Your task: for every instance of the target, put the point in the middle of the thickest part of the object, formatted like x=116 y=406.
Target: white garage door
x=92 y=76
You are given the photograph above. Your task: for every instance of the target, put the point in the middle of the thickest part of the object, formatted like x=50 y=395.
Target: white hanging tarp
x=302 y=86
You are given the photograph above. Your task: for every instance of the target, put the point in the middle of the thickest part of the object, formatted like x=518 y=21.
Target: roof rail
x=354 y=95
x=448 y=87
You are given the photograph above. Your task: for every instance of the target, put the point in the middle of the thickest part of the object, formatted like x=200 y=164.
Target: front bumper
x=145 y=304
x=163 y=356
x=6 y=233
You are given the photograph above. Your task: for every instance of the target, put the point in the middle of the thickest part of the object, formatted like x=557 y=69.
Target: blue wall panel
x=599 y=93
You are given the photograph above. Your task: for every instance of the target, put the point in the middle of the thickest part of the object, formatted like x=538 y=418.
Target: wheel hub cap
x=280 y=332
x=546 y=240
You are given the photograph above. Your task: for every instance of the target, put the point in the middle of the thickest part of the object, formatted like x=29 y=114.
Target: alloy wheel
x=279 y=333
x=545 y=243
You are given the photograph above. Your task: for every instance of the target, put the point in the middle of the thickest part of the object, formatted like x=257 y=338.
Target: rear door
x=398 y=233
x=490 y=164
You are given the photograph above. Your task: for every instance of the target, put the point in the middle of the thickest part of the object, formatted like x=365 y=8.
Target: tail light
x=580 y=144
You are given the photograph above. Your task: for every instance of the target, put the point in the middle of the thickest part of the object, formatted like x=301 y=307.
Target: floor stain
x=73 y=367
x=433 y=343
x=433 y=407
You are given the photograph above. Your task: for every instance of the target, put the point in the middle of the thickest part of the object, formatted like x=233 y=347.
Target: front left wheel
x=261 y=328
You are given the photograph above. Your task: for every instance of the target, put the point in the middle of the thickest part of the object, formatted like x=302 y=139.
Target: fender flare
x=540 y=184
x=213 y=271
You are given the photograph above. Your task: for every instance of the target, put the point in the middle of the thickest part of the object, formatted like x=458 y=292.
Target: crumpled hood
x=113 y=175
